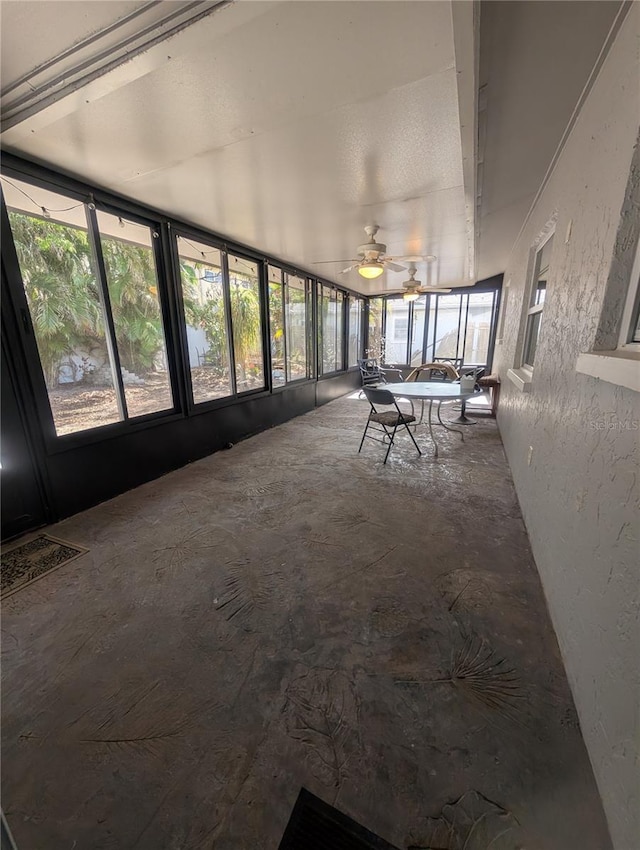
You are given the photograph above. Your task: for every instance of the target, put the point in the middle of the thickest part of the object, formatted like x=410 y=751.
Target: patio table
x=431 y=391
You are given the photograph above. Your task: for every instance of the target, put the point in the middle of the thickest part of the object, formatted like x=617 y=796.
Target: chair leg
x=390 y=441
x=412 y=437
x=366 y=428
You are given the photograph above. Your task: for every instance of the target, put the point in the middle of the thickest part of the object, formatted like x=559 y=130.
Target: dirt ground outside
x=79 y=407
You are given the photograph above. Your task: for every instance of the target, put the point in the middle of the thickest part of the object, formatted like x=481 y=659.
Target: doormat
x=30 y=561
x=314 y=825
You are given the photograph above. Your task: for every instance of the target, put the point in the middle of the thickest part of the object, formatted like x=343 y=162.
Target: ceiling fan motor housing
x=371 y=250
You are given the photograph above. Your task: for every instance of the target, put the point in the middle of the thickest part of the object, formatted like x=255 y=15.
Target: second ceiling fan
x=372 y=258
x=412 y=289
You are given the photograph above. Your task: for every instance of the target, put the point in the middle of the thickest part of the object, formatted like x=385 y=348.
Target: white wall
x=579 y=496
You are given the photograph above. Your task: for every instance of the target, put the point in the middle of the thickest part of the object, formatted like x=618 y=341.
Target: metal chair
x=389 y=420
x=373 y=373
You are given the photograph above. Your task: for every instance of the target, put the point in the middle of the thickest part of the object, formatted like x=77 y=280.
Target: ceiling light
x=411 y=295
x=371 y=270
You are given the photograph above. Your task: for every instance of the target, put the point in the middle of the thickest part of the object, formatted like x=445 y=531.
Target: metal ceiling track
x=99 y=53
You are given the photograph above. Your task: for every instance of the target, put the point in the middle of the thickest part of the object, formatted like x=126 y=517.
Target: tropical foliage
x=64 y=300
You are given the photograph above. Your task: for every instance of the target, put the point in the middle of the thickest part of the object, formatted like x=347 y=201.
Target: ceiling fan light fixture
x=411 y=295
x=370 y=270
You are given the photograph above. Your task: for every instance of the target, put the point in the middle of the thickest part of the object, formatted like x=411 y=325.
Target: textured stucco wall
x=580 y=494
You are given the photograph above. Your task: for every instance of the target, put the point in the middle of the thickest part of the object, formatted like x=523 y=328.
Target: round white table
x=431 y=391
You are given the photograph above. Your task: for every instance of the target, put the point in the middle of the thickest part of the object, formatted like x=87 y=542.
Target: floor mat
x=29 y=561
x=315 y=825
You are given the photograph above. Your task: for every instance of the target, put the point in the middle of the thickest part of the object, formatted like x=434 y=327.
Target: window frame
x=521 y=375
x=57 y=443
x=534 y=309
x=631 y=312
x=308 y=328
x=340 y=323
x=360 y=301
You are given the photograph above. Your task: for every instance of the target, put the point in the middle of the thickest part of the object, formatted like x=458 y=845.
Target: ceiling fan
x=412 y=289
x=372 y=258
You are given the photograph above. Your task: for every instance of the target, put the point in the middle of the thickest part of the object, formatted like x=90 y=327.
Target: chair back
x=443 y=372
x=376 y=396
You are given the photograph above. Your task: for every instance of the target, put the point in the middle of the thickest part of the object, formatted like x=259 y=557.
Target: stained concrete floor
x=290 y=613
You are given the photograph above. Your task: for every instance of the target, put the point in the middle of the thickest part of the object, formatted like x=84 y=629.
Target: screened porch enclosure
x=459 y=327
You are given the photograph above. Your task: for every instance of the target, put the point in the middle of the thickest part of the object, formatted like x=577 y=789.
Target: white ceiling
x=288 y=126
x=285 y=125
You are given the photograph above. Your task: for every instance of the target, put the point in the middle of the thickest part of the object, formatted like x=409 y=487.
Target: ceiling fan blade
x=333 y=262
x=393 y=266
x=415 y=258
x=433 y=289
x=349 y=269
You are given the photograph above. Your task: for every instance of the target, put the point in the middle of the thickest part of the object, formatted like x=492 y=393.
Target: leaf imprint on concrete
x=484 y=677
x=321 y=711
x=473 y=822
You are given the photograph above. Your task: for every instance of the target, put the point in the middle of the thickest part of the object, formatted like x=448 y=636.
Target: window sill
x=521 y=378
x=621 y=368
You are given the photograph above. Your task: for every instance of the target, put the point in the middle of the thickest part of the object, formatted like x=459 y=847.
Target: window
x=417 y=331
x=289 y=324
x=375 y=340
x=91 y=286
x=397 y=330
x=330 y=329
x=203 y=296
x=297 y=293
x=355 y=330
x=630 y=328
x=132 y=281
x=244 y=295
x=536 y=302
x=276 y=325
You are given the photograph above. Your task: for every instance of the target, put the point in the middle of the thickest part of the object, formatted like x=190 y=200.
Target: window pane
x=64 y=301
x=204 y=313
x=276 y=325
x=476 y=347
x=328 y=313
x=244 y=290
x=339 y=331
x=635 y=327
x=531 y=340
x=397 y=330
x=417 y=331
x=355 y=330
x=133 y=291
x=296 y=326
x=447 y=326
x=541 y=273
x=375 y=342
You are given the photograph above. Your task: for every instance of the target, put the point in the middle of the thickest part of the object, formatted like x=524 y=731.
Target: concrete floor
x=290 y=613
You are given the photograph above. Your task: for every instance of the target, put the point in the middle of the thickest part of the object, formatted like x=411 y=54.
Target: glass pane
x=133 y=291
x=430 y=353
x=328 y=330
x=339 y=331
x=63 y=296
x=244 y=290
x=397 y=331
x=417 y=331
x=476 y=346
x=635 y=326
x=531 y=340
x=375 y=340
x=206 y=325
x=355 y=330
x=541 y=273
x=296 y=326
x=447 y=326
x=276 y=325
